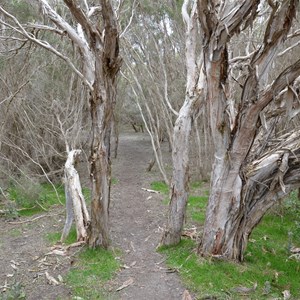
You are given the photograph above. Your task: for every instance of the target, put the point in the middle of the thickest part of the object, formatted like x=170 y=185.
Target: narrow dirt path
x=137 y=219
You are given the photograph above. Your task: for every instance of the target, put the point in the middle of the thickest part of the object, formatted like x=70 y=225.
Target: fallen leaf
x=132 y=246
x=133 y=264
x=295 y=250
x=60 y=279
x=14 y=266
x=186 y=295
x=190 y=233
x=15 y=263
x=51 y=280
x=125 y=284
x=286 y=294
x=125 y=266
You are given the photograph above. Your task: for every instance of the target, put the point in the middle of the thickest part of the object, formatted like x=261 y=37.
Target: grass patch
x=160 y=186
x=196 y=208
x=267 y=261
x=54 y=237
x=90 y=272
x=34 y=198
x=196 y=185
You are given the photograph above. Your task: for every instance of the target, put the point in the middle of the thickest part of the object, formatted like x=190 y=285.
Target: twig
x=150 y=191
x=31 y=220
x=41 y=206
x=76 y=244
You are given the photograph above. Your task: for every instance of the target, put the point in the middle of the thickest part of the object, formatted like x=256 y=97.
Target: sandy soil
x=137 y=218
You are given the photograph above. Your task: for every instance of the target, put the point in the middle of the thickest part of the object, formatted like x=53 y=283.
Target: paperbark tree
x=182 y=130
x=97 y=39
x=98 y=43
x=249 y=173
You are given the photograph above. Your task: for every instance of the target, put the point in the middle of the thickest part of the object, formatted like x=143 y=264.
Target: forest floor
x=137 y=218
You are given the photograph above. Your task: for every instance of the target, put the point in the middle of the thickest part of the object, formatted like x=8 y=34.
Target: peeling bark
x=75 y=202
x=97 y=39
x=247 y=179
x=182 y=132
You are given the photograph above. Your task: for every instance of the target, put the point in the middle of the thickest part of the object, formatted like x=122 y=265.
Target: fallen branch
x=32 y=220
x=76 y=244
x=125 y=284
x=150 y=191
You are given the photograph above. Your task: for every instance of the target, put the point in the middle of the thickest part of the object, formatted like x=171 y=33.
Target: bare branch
x=47 y=46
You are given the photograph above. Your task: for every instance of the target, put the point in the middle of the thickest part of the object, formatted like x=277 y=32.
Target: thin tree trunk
x=182 y=131
x=180 y=179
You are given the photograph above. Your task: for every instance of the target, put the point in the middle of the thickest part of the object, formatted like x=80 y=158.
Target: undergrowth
x=268 y=260
x=30 y=199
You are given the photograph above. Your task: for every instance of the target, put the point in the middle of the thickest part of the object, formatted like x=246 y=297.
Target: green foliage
x=10 y=210
x=15 y=292
x=33 y=197
x=268 y=260
x=90 y=272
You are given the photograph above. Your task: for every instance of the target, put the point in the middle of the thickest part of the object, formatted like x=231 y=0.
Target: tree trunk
x=102 y=104
x=243 y=187
x=182 y=132
x=75 y=202
x=180 y=178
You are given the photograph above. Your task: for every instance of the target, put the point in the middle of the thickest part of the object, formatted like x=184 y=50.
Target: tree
x=97 y=40
x=251 y=171
x=249 y=175
x=182 y=130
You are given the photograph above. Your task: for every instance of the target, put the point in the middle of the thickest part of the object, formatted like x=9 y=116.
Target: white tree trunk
x=75 y=202
x=182 y=132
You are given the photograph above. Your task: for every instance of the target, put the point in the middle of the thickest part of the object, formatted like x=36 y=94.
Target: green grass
x=196 y=208
x=160 y=186
x=196 y=185
x=196 y=204
x=54 y=237
x=90 y=273
x=35 y=198
x=266 y=259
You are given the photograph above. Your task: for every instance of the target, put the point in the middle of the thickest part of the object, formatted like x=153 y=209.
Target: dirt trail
x=136 y=217
x=137 y=220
